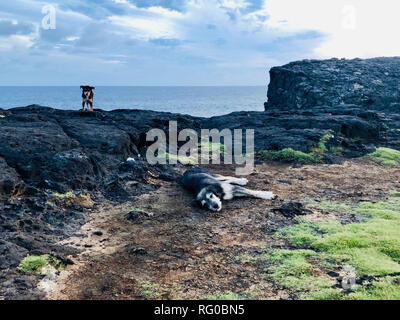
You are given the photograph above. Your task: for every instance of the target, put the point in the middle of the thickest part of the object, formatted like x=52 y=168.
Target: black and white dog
x=87 y=97
x=211 y=188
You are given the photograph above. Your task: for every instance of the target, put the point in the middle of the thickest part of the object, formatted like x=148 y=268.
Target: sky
x=184 y=42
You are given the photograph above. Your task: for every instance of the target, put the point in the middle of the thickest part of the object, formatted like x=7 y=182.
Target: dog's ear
x=216 y=189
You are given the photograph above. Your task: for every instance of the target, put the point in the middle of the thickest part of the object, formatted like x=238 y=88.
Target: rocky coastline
x=46 y=152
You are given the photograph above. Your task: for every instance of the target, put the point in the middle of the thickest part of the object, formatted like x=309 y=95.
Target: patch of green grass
x=224 y=296
x=387 y=288
x=149 y=290
x=247 y=259
x=396 y=194
x=34 y=263
x=338 y=151
x=385 y=156
x=212 y=147
x=292 y=269
x=322 y=142
x=183 y=160
x=289 y=155
x=327 y=205
x=70 y=195
x=67 y=196
x=372 y=247
x=31 y=264
x=383 y=210
x=247 y=155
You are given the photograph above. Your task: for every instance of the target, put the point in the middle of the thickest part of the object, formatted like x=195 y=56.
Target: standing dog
x=87 y=97
x=211 y=188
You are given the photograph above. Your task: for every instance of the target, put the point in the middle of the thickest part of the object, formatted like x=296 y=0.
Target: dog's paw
x=242 y=181
x=266 y=195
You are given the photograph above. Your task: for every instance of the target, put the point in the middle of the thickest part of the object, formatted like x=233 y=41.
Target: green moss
x=31 y=264
x=34 y=264
x=66 y=196
x=224 y=296
x=182 y=160
x=247 y=259
x=290 y=155
x=387 y=288
x=149 y=290
x=292 y=269
x=338 y=151
x=70 y=196
x=385 y=156
x=212 y=147
x=247 y=155
x=371 y=247
x=324 y=294
x=322 y=142
x=327 y=205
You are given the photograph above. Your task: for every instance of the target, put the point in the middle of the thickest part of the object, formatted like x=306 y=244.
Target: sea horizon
x=203 y=101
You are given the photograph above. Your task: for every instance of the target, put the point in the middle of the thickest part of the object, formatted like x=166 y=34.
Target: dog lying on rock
x=210 y=189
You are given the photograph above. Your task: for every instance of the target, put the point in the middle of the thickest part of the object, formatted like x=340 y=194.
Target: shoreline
x=59 y=168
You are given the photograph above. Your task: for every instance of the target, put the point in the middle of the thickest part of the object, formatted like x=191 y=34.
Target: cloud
x=145 y=28
x=15 y=42
x=191 y=41
x=166 y=42
x=12 y=27
x=177 y=5
x=352 y=28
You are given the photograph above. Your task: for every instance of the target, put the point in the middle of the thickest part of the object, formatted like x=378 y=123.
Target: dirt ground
x=176 y=250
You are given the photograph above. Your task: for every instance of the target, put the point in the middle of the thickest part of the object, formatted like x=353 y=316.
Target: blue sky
x=185 y=42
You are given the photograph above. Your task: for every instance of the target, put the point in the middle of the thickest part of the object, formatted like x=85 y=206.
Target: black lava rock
x=292 y=209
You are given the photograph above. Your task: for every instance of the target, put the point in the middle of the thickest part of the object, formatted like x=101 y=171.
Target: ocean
x=196 y=101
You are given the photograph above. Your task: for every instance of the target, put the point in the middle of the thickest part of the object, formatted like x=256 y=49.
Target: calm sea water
x=196 y=101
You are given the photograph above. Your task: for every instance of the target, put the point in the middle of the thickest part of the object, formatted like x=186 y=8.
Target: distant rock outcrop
x=370 y=84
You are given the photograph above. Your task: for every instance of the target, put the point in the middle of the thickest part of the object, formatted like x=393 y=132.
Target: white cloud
x=146 y=28
x=353 y=28
x=15 y=42
x=234 y=4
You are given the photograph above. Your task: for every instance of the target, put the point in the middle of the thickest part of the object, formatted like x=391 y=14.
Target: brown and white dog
x=87 y=97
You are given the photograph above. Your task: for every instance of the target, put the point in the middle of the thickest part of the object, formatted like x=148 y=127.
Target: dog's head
x=87 y=90
x=209 y=199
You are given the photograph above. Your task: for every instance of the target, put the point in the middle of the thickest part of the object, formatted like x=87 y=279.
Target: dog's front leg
x=243 y=192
